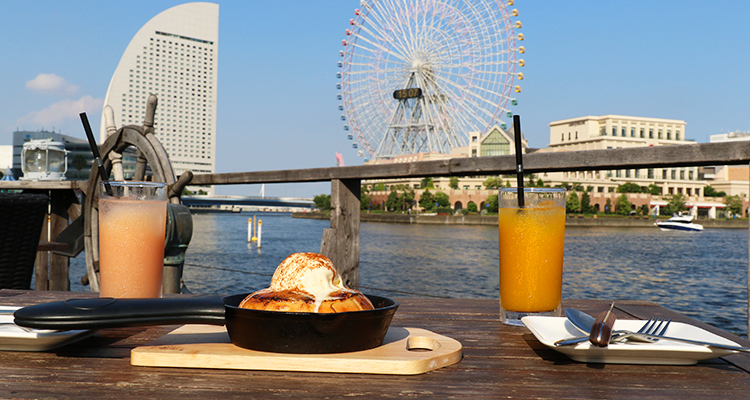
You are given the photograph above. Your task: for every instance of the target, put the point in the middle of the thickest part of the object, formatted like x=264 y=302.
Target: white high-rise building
x=174 y=56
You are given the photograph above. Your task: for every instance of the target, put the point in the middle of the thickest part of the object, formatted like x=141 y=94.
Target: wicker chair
x=21 y=222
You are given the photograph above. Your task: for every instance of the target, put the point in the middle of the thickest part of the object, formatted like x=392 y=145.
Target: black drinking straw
x=519 y=159
x=95 y=150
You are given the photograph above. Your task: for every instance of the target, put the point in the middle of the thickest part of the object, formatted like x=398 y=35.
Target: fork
x=652 y=327
x=649 y=328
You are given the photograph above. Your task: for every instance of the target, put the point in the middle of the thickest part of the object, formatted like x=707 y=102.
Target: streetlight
x=44 y=160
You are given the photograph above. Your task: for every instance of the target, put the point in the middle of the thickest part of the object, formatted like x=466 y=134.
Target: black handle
x=99 y=313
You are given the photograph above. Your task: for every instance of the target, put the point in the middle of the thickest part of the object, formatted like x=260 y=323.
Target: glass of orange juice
x=532 y=241
x=132 y=222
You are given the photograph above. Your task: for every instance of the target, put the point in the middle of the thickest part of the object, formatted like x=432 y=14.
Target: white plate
x=548 y=330
x=15 y=338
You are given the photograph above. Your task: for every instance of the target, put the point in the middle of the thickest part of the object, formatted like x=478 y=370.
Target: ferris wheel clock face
x=422 y=75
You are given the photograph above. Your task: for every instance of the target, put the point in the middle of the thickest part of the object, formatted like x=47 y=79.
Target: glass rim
x=141 y=184
x=533 y=189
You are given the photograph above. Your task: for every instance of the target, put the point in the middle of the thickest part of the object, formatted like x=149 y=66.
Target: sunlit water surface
x=703 y=275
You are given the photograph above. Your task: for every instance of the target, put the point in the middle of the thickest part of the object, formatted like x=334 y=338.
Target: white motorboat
x=679 y=223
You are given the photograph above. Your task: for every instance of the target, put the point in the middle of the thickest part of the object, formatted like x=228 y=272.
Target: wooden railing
x=341 y=242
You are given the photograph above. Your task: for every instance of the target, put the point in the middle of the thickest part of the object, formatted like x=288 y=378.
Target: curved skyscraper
x=174 y=56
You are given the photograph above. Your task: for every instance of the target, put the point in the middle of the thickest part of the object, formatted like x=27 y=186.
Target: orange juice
x=531 y=257
x=131 y=247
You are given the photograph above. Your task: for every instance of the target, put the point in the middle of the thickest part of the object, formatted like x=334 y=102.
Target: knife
x=601 y=331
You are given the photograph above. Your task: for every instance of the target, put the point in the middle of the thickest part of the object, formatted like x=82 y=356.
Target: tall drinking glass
x=131 y=239
x=532 y=240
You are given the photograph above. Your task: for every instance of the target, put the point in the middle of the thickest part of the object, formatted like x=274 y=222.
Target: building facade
x=617 y=131
x=174 y=56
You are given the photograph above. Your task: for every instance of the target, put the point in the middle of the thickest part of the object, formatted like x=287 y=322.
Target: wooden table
x=499 y=362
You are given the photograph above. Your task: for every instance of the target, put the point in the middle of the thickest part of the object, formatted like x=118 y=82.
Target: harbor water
x=702 y=275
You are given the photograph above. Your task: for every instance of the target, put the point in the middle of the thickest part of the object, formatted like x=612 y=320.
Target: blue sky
x=277 y=106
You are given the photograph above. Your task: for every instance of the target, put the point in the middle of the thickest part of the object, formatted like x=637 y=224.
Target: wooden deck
x=498 y=362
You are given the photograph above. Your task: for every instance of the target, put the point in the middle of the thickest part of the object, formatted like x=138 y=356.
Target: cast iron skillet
x=273 y=331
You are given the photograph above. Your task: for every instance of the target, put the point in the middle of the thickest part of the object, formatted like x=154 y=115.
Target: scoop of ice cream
x=310 y=273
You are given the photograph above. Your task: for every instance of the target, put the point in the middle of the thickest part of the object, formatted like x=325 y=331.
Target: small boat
x=679 y=223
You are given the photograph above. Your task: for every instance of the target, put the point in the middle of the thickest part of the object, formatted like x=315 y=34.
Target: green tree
x=629 y=188
x=427 y=201
x=507 y=183
x=653 y=189
x=392 y=202
x=623 y=205
x=675 y=204
x=322 y=202
x=406 y=199
x=364 y=201
x=492 y=203
x=493 y=182
x=380 y=187
x=708 y=191
x=643 y=209
x=572 y=204
x=442 y=199
x=608 y=207
x=453 y=182
x=472 y=207
x=586 y=204
x=79 y=162
x=734 y=204
x=539 y=182
x=426 y=183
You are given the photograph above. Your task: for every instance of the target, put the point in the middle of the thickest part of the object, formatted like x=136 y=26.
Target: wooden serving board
x=405 y=351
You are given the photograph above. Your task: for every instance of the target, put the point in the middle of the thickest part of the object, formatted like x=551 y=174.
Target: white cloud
x=61 y=112
x=52 y=84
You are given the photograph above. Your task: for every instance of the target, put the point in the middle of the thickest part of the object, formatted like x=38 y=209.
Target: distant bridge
x=205 y=201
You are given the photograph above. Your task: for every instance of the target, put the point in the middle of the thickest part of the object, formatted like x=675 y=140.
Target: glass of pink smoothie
x=131 y=239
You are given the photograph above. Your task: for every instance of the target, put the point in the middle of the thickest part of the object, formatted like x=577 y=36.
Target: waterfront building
x=617 y=131
x=174 y=56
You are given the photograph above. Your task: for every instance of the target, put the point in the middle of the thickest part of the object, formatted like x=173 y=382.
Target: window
x=495 y=144
x=632 y=132
x=677 y=135
x=650 y=173
x=642 y=135
x=650 y=133
x=622 y=133
x=682 y=174
x=614 y=131
x=660 y=137
x=674 y=175
x=669 y=134
x=664 y=174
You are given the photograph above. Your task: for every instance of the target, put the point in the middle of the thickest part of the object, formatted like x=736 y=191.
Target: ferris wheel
x=421 y=75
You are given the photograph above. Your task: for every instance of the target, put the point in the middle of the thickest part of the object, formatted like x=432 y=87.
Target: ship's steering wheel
x=150 y=152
